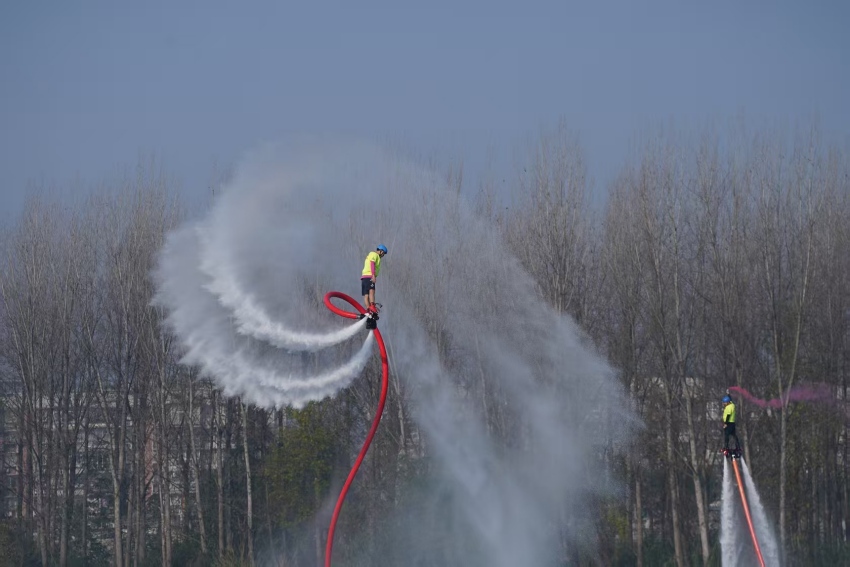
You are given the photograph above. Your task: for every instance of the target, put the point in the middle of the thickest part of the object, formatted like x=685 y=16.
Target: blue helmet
x=726 y=399
x=383 y=248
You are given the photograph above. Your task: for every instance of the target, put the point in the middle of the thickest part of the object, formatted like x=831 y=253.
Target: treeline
x=715 y=261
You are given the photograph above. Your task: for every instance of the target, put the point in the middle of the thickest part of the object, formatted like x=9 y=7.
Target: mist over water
x=514 y=407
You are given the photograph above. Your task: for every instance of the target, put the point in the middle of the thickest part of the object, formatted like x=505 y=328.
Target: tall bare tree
x=28 y=287
x=249 y=506
x=625 y=322
x=195 y=458
x=661 y=199
x=549 y=231
x=788 y=206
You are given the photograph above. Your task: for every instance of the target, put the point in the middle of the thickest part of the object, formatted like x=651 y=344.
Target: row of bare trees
x=716 y=262
x=713 y=262
x=113 y=452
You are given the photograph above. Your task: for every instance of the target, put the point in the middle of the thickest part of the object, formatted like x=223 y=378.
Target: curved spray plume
x=222 y=286
x=266 y=386
x=513 y=408
x=250 y=318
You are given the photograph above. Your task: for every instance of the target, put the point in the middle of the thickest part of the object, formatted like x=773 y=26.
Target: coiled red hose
x=385 y=372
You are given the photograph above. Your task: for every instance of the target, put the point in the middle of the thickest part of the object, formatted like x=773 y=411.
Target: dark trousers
x=729 y=431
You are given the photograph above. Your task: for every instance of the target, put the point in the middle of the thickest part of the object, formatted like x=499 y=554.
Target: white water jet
x=241 y=365
x=268 y=387
x=250 y=318
x=729 y=531
x=764 y=532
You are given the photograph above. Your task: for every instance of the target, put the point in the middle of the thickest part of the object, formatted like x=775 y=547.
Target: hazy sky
x=86 y=86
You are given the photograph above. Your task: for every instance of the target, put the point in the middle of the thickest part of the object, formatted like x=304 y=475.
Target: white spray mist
x=232 y=281
x=764 y=533
x=514 y=406
x=730 y=544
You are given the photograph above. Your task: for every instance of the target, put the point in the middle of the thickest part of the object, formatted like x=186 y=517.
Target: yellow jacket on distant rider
x=729 y=413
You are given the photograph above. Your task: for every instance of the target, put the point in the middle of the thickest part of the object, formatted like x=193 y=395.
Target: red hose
x=384 y=387
x=747 y=513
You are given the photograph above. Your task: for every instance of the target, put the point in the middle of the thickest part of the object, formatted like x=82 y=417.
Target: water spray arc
x=233 y=284
x=375 y=422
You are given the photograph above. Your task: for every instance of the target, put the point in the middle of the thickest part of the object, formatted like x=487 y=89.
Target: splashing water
x=250 y=319
x=766 y=537
x=735 y=541
x=220 y=333
x=514 y=403
x=733 y=544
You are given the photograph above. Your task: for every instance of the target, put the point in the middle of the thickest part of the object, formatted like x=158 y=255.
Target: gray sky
x=85 y=87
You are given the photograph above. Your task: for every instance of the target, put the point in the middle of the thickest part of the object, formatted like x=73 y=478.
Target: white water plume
x=265 y=386
x=515 y=413
x=731 y=543
x=736 y=544
x=242 y=365
x=250 y=318
x=764 y=533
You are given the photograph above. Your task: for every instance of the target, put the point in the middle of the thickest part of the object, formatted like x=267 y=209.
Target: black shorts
x=365 y=285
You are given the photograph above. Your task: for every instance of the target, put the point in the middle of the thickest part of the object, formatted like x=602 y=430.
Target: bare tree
x=27 y=286
x=625 y=322
x=827 y=356
x=787 y=209
x=77 y=264
x=195 y=465
x=218 y=441
x=660 y=200
x=249 y=510
x=129 y=230
x=549 y=230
